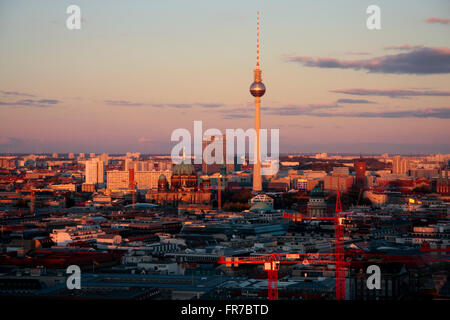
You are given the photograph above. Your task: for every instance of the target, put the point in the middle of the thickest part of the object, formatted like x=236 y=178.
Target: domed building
x=183 y=188
x=163 y=185
x=184 y=176
x=317 y=205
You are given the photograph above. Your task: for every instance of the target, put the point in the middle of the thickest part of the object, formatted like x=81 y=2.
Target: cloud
x=295 y=110
x=421 y=61
x=16 y=93
x=124 y=103
x=438 y=113
x=353 y=53
x=334 y=110
x=392 y=93
x=42 y=103
x=403 y=47
x=210 y=105
x=235 y=116
x=354 y=101
x=438 y=20
x=48 y=101
x=127 y=103
x=145 y=140
x=236 y=113
x=179 y=105
x=5 y=140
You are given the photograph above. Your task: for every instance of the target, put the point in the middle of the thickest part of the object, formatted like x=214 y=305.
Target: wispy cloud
x=438 y=20
x=41 y=103
x=392 y=93
x=403 y=47
x=356 y=101
x=295 y=110
x=236 y=113
x=422 y=60
x=145 y=140
x=358 y=53
x=179 y=105
x=330 y=111
x=127 y=103
x=235 y=116
x=210 y=105
x=438 y=113
x=5 y=140
x=16 y=93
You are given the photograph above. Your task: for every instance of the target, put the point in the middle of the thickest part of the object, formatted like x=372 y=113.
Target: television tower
x=257 y=89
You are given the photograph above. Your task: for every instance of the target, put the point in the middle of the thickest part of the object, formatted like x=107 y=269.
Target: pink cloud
x=403 y=47
x=438 y=20
x=419 y=60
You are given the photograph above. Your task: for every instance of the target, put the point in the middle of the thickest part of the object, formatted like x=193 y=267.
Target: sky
x=138 y=70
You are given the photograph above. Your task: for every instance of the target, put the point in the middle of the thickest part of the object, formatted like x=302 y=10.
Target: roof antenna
x=257 y=39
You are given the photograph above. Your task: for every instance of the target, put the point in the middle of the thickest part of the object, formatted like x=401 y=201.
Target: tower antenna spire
x=257 y=39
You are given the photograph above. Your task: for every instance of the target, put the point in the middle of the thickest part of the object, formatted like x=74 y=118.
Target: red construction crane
x=272 y=263
x=132 y=186
x=339 y=251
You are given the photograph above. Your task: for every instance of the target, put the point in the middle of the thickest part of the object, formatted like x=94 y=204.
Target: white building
x=89 y=233
x=94 y=171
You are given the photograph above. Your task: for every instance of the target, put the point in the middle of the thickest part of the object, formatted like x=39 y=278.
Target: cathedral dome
x=183 y=169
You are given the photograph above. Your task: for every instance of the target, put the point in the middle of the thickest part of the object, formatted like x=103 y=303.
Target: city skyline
x=136 y=72
x=145 y=158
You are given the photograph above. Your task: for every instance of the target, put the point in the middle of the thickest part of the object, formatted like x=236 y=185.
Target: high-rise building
x=338 y=182
x=220 y=143
x=257 y=89
x=104 y=157
x=301 y=184
x=341 y=171
x=117 y=180
x=443 y=183
x=139 y=165
x=399 y=165
x=143 y=180
x=94 y=171
x=360 y=169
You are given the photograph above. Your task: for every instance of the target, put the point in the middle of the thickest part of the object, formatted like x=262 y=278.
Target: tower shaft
x=257 y=181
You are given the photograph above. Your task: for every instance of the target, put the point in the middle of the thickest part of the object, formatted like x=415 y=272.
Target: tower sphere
x=257 y=89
